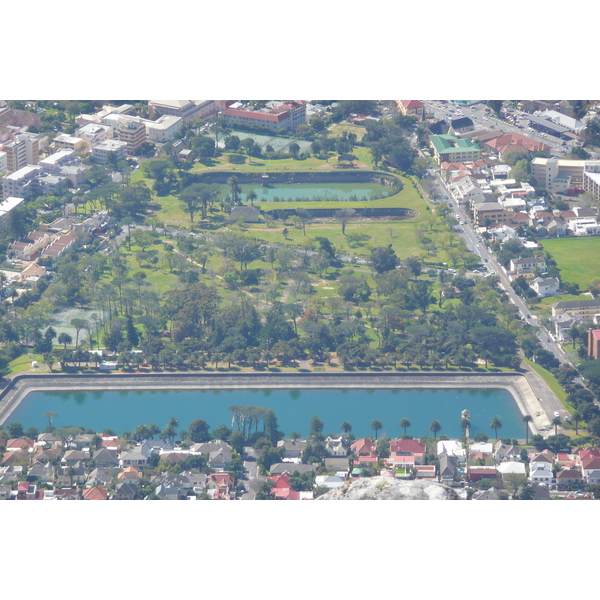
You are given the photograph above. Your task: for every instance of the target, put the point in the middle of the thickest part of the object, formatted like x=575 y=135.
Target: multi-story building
x=94 y=133
x=164 y=128
x=186 y=109
x=561 y=175
x=101 y=153
x=594 y=343
x=591 y=183
x=579 y=308
x=451 y=149
x=133 y=133
x=491 y=212
x=6 y=206
x=287 y=115
x=70 y=142
x=53 y=163
x=21 y=183
x=412 y=108
x=3 y=162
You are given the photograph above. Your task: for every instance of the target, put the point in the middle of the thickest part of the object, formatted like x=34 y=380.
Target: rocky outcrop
x=389 y=488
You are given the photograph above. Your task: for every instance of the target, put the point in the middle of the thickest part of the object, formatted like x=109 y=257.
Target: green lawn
x=23 y=363
x=551 y=381
x=577 y=258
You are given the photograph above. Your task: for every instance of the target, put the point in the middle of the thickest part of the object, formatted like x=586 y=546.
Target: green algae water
x=124 y=410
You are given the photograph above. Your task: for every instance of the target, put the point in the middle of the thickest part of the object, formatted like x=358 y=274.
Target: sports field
x=578 y=258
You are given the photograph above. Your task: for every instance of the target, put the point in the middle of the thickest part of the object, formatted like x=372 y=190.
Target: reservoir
x=286 y=192
x=123 y=410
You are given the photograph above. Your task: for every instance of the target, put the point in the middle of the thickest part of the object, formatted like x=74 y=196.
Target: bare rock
x=389 y=488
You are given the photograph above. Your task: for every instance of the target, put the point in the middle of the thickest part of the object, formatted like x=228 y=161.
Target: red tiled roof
x=95 y=493
x=591 y=462
x=407 y=445
x=411 y=103
x=568 y=474
x=596 y=333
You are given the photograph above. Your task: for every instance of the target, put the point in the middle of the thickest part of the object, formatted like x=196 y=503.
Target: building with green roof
x=449 y=148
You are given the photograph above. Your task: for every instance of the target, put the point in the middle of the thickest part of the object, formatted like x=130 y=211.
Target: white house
x=336 y=446
x=452 y=448
x=584 y=226
x=542 y=476
x=512 y=466
x=545 y=286
x=483 y=447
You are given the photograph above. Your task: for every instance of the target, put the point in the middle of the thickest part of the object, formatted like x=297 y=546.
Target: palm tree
x=405 y=424
x=465 y=425
x=346 y=427
x=527 y=419
x=376 y=425
x=435 y=428
x=64 y=339
x=556 y=422
x=495 y=425
x=576 y=416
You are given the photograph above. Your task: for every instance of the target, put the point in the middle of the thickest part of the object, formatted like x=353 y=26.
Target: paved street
x=251 y=477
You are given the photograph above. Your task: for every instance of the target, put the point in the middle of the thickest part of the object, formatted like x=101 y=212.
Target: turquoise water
x=300 y=191
x=124 y=410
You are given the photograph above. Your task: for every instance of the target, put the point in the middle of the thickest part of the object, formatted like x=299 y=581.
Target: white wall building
x=20 y=183
x=584 y=226
x=3 y=162
x=102 y=152
x=6 y=206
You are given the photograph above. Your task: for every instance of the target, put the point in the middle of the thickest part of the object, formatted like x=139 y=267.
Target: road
x=251 y=477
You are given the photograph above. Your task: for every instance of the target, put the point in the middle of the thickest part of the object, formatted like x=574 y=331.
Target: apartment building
x=70 y=142
x=492 y=212
x=6 y=206
x=22 y=151
x=53 y=163
x=94 y=133
x=594 y=343
x=560 y=175
x=580 y=308
x=451 y=149
x=3 y=162
x=102 y=153
x=21 y=183
x=133 y=133
x=591 y=183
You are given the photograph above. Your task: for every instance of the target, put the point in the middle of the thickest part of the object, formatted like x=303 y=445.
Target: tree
x=514 y=481
x=79 y=324
x=384 y=259
x=527 y=419
x=576 y=416
x=346 y=427
x=316 y=427
x=64 y=339
x=376 y=425
x=405 y=424
x=496 y=424
x=344 y=216
x=495 y=105
x=50 y=415
x=556 y=422
x=435 y=428
x=199 y=431
x=294 y=149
